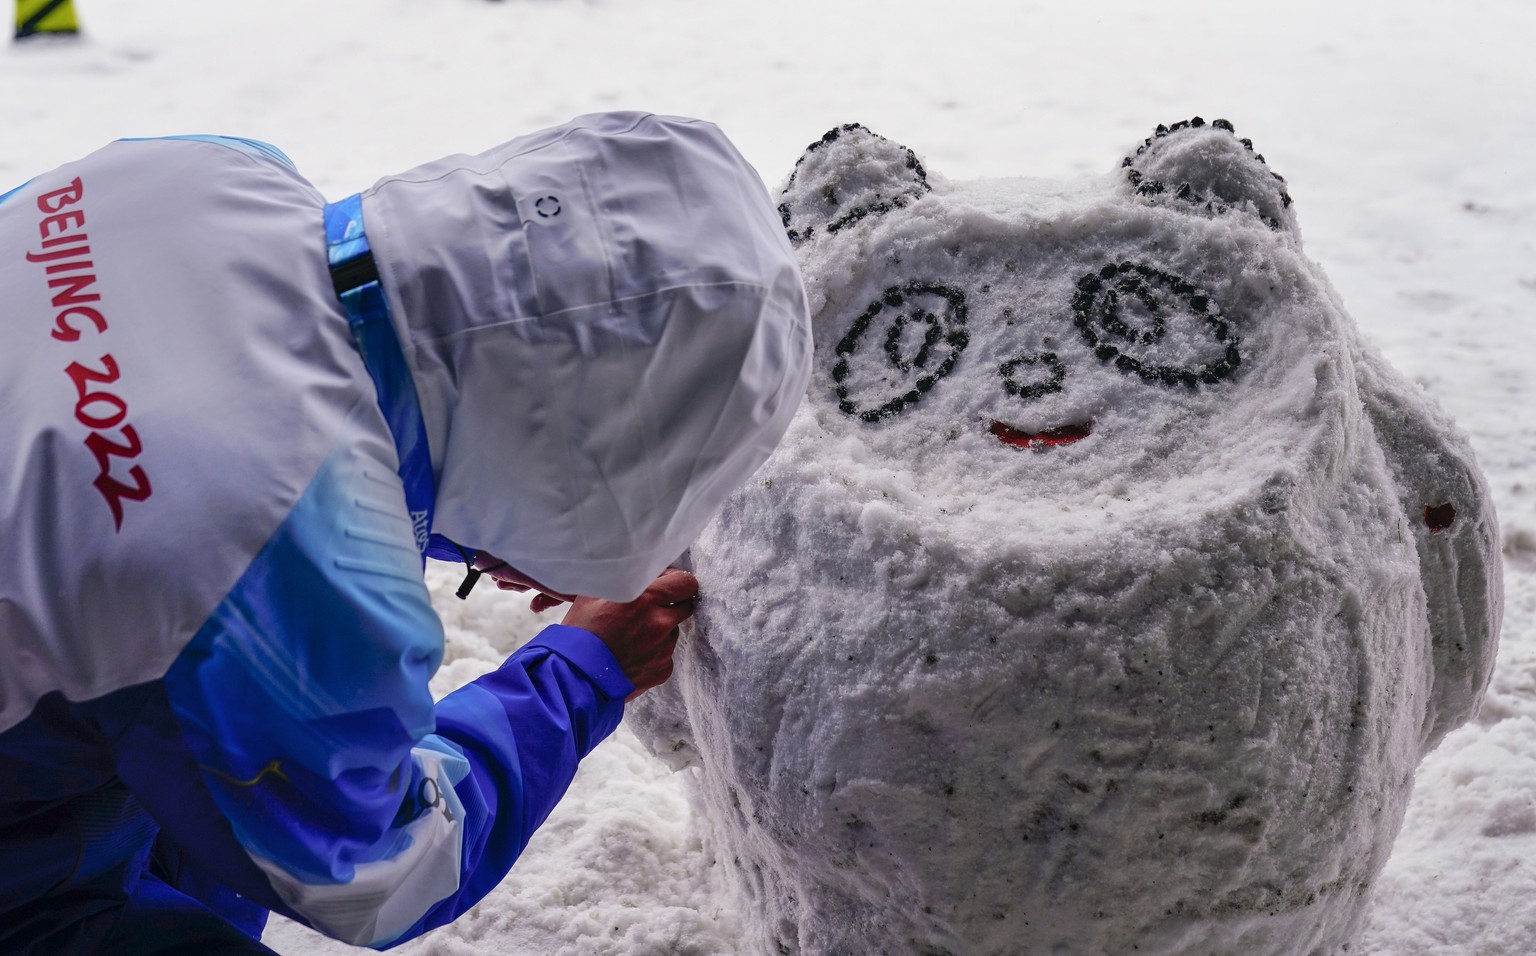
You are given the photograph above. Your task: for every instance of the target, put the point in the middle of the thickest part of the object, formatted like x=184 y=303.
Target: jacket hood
x=607 y=333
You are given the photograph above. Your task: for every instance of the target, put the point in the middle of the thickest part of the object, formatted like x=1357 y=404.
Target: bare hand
x=643 y=633
x=509 y=578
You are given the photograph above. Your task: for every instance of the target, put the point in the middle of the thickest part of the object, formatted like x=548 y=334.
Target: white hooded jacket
x=607 y=332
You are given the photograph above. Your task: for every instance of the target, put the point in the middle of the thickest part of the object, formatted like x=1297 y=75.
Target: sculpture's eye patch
x=1156 y=325
x=1144 y=321
x=920 y=328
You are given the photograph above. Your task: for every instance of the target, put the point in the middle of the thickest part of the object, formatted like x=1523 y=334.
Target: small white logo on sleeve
x=419 y=528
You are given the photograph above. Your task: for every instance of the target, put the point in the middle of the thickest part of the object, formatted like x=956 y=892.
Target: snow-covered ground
x=1402 y=126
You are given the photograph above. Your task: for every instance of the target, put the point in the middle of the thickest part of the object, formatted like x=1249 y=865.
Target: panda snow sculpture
x=1105 y=593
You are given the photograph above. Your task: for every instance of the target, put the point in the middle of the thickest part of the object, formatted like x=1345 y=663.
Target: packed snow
x=1392 y=122
x=1107 y=591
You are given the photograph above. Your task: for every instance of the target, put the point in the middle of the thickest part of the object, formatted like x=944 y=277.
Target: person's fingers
x=653 y=676
x=485 y=561
x=674 y=585
x=671 y=615
x=659 y=654
x=509 y=578
x=543 y=602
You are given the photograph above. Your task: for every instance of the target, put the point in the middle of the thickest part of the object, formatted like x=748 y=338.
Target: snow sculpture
x=1106 y=591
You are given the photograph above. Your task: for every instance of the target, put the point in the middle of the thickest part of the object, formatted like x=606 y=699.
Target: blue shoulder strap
x=356 y=277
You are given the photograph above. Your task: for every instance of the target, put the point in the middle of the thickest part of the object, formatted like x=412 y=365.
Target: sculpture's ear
x=848 y=175
x=1205 y=167
x=1451 y=520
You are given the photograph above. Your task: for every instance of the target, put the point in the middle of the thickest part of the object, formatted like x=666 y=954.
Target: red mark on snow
x=1051 y=437
x=1439 y=517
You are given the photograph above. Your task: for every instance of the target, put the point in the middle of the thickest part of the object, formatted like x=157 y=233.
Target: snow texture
x=1107 y=591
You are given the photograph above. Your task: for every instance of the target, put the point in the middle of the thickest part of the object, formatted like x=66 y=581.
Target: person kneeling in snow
x=236 y=418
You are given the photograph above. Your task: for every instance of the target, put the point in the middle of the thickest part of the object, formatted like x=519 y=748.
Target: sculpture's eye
x=899 y=348
x=1155 y=325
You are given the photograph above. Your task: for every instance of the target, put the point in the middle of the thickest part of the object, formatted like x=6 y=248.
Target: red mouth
x=1050 y=438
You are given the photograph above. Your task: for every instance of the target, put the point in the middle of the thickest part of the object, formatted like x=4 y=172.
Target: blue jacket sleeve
x=373 y=813
x=535 y=716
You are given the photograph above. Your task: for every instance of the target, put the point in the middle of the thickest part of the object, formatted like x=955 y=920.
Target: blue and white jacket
x=219 y=480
